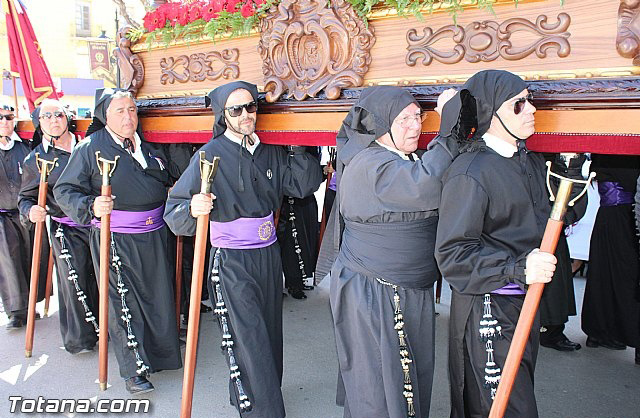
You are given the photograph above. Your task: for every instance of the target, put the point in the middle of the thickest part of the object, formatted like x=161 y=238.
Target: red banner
x=25 y=55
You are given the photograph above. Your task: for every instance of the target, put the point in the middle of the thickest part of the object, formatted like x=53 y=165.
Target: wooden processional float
x=311 y=59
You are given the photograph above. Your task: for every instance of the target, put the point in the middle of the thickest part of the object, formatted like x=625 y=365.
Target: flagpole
x=15 y=94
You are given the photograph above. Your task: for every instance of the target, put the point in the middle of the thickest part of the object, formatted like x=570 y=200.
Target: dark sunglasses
x=518 y=105
x=49 y=115
x=252 y=107
x=7 y=117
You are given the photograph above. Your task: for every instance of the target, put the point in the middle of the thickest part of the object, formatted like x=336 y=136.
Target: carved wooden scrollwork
x=131 y=67
x=489 y=40
x=628 y=39
x=200 y=67
x=307 y=46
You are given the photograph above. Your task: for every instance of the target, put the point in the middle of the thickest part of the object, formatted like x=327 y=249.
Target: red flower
x=155 y=20
x=195 y=12
x=148 y=22
x=247 y=9
x=211 y=9
x=259 y=3
x=231 y=6
x=174 y=12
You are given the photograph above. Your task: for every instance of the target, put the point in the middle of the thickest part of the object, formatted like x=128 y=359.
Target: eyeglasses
x=49 y=115
x=252 y=107
x=7 y=117
x=518 y=105
x=407 y=121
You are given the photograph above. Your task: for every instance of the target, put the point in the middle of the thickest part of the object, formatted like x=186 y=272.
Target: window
x=83 y=21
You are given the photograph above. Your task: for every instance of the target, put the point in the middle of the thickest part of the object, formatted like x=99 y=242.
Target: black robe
x=251 y=280
x=15 y=242
x=77 y=293
x=493 y=212
x=389 y=206
x=145 y=270
x=611 y=310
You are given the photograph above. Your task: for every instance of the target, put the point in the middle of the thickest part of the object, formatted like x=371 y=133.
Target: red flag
x=26 y=57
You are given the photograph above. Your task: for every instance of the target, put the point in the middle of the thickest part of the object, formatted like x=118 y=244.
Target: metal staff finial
x=106 y=167
x=207 y=171
x=45 y=166
x=561 y=198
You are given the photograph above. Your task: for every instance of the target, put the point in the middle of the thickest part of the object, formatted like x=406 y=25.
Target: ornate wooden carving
x=131 y=67
x=628 y=39
x=200 y=67
x=307 y=46
x=489 y=40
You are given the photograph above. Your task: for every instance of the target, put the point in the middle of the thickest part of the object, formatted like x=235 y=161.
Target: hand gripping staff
x=207 y=174
x=106 y=168
x=552 y=232
x=44 y=167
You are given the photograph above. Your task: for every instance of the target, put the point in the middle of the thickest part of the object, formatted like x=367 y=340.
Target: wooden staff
x=47 y=292
x=44 y=167
x=179 y=247
x=106 y=168
x=207 y=173
x=552 y=232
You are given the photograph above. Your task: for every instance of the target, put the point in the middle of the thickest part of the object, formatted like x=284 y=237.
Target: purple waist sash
x=509 y=290
x=612 y=194
x=243 y=233
x=8 y=210
x=126 y=222
x=69 y=222
x=332 y=182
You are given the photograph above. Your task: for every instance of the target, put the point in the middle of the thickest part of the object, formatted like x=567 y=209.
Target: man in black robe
x=15 y=243
x=381 y=293
x=493 y=213
x=142 y=324
x=245 y=264
x=77 y=285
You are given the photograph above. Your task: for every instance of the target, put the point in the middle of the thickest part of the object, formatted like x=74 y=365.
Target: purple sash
x=243 y=233
x=509 y=290
x=332 y=182
x=69 y=222
x=8 y=210
x=126 y=222
x=612 y=194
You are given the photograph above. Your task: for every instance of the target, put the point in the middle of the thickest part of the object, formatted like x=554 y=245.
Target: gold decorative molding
x=489 y=40
x=308 y=45
x=131 y=67
x=203 y=66
x=628 y=39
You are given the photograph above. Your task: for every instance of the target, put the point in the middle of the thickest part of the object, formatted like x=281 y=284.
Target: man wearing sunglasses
x=77 y=285
x=493 y=213
x=142 y=323
x=246 y=270
x=15 y=243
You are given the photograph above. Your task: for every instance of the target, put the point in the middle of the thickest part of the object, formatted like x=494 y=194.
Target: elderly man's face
x=245 y=122
x=6 y=126
x=406 y=128
x=53 y=120
x=518 y=115
x=122 y=117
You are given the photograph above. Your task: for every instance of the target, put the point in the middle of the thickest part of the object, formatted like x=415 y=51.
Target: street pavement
x=593 y=383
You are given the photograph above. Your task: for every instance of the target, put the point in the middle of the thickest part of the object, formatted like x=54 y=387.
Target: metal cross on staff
x=44 y=167
x=552 y=232
x=106 y=168
x=207 y=173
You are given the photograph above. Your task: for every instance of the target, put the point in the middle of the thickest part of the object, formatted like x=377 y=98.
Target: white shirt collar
x=137 y=154
x=13 y=138
x=46 y=144
x=500 y=146
x=232 y=137
x=397 y=151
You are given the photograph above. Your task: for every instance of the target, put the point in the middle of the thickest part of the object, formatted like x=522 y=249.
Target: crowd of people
x=473 y=207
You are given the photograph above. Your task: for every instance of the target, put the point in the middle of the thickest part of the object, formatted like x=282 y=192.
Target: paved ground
x=594 y=383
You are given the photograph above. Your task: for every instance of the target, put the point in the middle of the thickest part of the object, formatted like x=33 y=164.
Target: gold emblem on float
x=265 y=231
x=149 y=221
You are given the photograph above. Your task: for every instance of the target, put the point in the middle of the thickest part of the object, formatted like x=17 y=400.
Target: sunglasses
x=518 y=105
x=7 y=117
x=252 y=107
x=49 y=115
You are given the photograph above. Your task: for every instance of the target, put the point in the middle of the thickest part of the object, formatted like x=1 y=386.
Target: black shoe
x=138 y=385
x=15 y=322
x=562 y=345
x=610 y=344
x=297 y=294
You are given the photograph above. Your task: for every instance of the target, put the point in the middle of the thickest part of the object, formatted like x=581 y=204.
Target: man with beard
x=77 y=285
x=245 y=264
x=493 y=213
x=142 y=324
